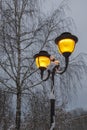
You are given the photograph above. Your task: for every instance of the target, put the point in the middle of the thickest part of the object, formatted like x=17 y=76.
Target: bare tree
x=6 y=111
x=38 y=114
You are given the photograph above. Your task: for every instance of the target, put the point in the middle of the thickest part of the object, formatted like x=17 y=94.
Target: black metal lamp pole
x=52 y=114
x=52 y=103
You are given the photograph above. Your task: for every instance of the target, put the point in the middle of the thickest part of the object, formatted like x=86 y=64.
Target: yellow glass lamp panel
x=66 y=45
x=42 y=61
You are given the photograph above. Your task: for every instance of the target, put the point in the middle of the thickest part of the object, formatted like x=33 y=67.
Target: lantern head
x=42 y=61
x=66 y=43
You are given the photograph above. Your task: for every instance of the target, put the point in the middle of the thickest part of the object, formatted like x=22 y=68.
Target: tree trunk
x=18 y=110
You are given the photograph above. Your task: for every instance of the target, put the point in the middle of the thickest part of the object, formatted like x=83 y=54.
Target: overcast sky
x=78 y=11
x=79 y=14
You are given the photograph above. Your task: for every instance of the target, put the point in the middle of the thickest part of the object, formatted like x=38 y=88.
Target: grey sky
x=78 y=10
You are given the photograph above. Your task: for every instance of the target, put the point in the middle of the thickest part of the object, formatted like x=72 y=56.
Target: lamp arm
x=66 y=65
x=42 y=72
x=47 y=76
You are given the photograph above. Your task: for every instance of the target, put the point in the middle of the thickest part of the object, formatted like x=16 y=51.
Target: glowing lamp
x=42 y=61
x=66 y=43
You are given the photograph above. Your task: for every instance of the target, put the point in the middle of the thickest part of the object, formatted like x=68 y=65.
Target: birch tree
x=6 y=113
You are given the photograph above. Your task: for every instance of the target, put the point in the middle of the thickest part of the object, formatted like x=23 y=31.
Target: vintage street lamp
x=66 y=44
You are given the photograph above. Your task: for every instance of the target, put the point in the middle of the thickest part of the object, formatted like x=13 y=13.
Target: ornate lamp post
x=66 y=44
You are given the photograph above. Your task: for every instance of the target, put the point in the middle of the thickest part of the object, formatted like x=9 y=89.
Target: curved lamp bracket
x=42 y=73
x=66 y=55
x=65 y=68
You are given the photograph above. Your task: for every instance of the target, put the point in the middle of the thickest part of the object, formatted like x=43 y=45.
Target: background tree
x=6 y=111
